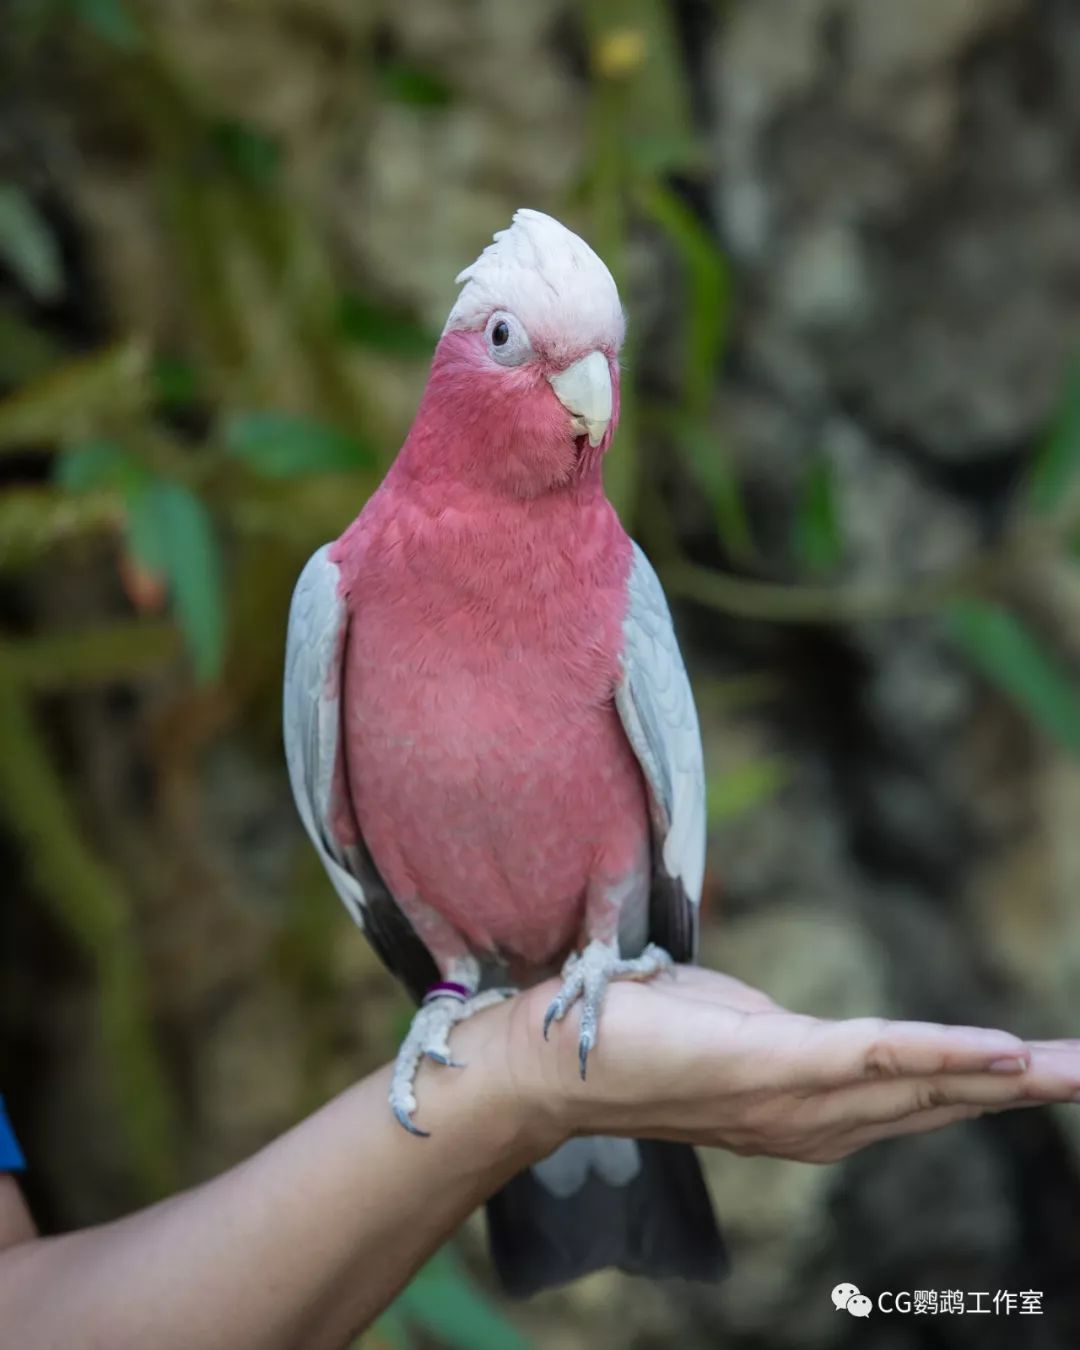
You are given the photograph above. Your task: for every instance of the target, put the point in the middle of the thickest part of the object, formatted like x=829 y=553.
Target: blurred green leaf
x=171 y=534
x=282 y=445
x=657 y=156
x=391 y=1330
x=249 y=152
x=818 y=541
x=637 y=64
x=707 y=293
x=1011 y=657
x=442 y=1299
x=711 y=467
x=93 y=464
x=706 y=299
x=383 y=330
x=27 y=245
x=110 y=19
x=410 y=84
x=1058 y=459
x=176 y=382
x=75 y=399
x=750 y=785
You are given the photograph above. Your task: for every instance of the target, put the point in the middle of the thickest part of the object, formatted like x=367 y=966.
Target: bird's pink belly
x=500 y=817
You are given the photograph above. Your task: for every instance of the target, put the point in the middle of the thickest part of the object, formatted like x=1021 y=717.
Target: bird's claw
x=573 y=986
x=557 y=1010
x=587 y=977
x=428 y=1038
x=585 y=1044
x=404 y=1119
x=444 y=1060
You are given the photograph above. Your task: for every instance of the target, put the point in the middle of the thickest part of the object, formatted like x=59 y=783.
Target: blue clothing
x=11 y=1158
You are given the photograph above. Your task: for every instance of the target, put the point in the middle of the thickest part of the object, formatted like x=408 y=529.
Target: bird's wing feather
x=314 y=661
x=656 y=706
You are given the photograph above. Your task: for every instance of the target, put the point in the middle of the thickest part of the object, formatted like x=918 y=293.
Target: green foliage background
x=197 y=473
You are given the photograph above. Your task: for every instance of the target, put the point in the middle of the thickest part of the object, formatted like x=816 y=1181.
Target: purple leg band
x=444 y=988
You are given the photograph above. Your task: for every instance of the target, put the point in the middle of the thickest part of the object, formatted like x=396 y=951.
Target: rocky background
x=848 y=237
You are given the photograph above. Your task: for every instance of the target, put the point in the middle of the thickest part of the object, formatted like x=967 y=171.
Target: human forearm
x=306 y=1242
x=300 y=1245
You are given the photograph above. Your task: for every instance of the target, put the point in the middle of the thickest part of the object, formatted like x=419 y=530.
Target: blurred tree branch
x=36 y=520
x=77 y=399
x=779 y=602
x=78 y=658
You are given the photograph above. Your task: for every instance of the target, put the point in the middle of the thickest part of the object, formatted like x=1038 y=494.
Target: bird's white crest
x=550 y=279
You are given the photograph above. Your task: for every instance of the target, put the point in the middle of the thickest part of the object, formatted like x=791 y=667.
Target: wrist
x=517 y=1112
x=549 y=1086
x=623 y=1066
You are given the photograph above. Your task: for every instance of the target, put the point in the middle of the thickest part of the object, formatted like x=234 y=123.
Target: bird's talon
x=428 y=1038
x=404 y=1120
x=587 y=976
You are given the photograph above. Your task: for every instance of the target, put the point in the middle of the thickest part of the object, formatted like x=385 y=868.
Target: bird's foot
x=429 y=1038
x=586 y=976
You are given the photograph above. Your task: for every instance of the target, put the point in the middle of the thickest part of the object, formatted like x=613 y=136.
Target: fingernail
x=1010 y=1065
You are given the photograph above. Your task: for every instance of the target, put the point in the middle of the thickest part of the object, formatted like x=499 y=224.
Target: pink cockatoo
x=492 y=740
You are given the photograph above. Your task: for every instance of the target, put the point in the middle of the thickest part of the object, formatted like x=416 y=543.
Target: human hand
x=701 y=1057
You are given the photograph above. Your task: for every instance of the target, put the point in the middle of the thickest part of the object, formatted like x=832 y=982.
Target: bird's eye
x=507 y=341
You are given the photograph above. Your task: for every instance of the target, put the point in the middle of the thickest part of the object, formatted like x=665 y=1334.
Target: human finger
x=837 y=1054
x=868 y=1104
x=923 y=1122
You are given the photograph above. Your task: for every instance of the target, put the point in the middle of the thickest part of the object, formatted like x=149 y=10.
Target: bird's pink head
x=523 y=396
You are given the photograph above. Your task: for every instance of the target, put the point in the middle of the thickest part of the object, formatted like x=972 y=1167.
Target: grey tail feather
x=660 y=1224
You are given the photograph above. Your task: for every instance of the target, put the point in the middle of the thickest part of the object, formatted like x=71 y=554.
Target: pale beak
x=584 y=390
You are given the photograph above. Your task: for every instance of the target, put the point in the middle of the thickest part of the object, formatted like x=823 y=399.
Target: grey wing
x=656 y=706
x=311 y=722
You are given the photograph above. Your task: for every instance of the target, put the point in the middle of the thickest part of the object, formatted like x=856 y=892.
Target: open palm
x=701 y=1057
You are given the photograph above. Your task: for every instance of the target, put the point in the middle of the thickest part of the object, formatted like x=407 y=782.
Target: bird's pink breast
x=488 y=769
